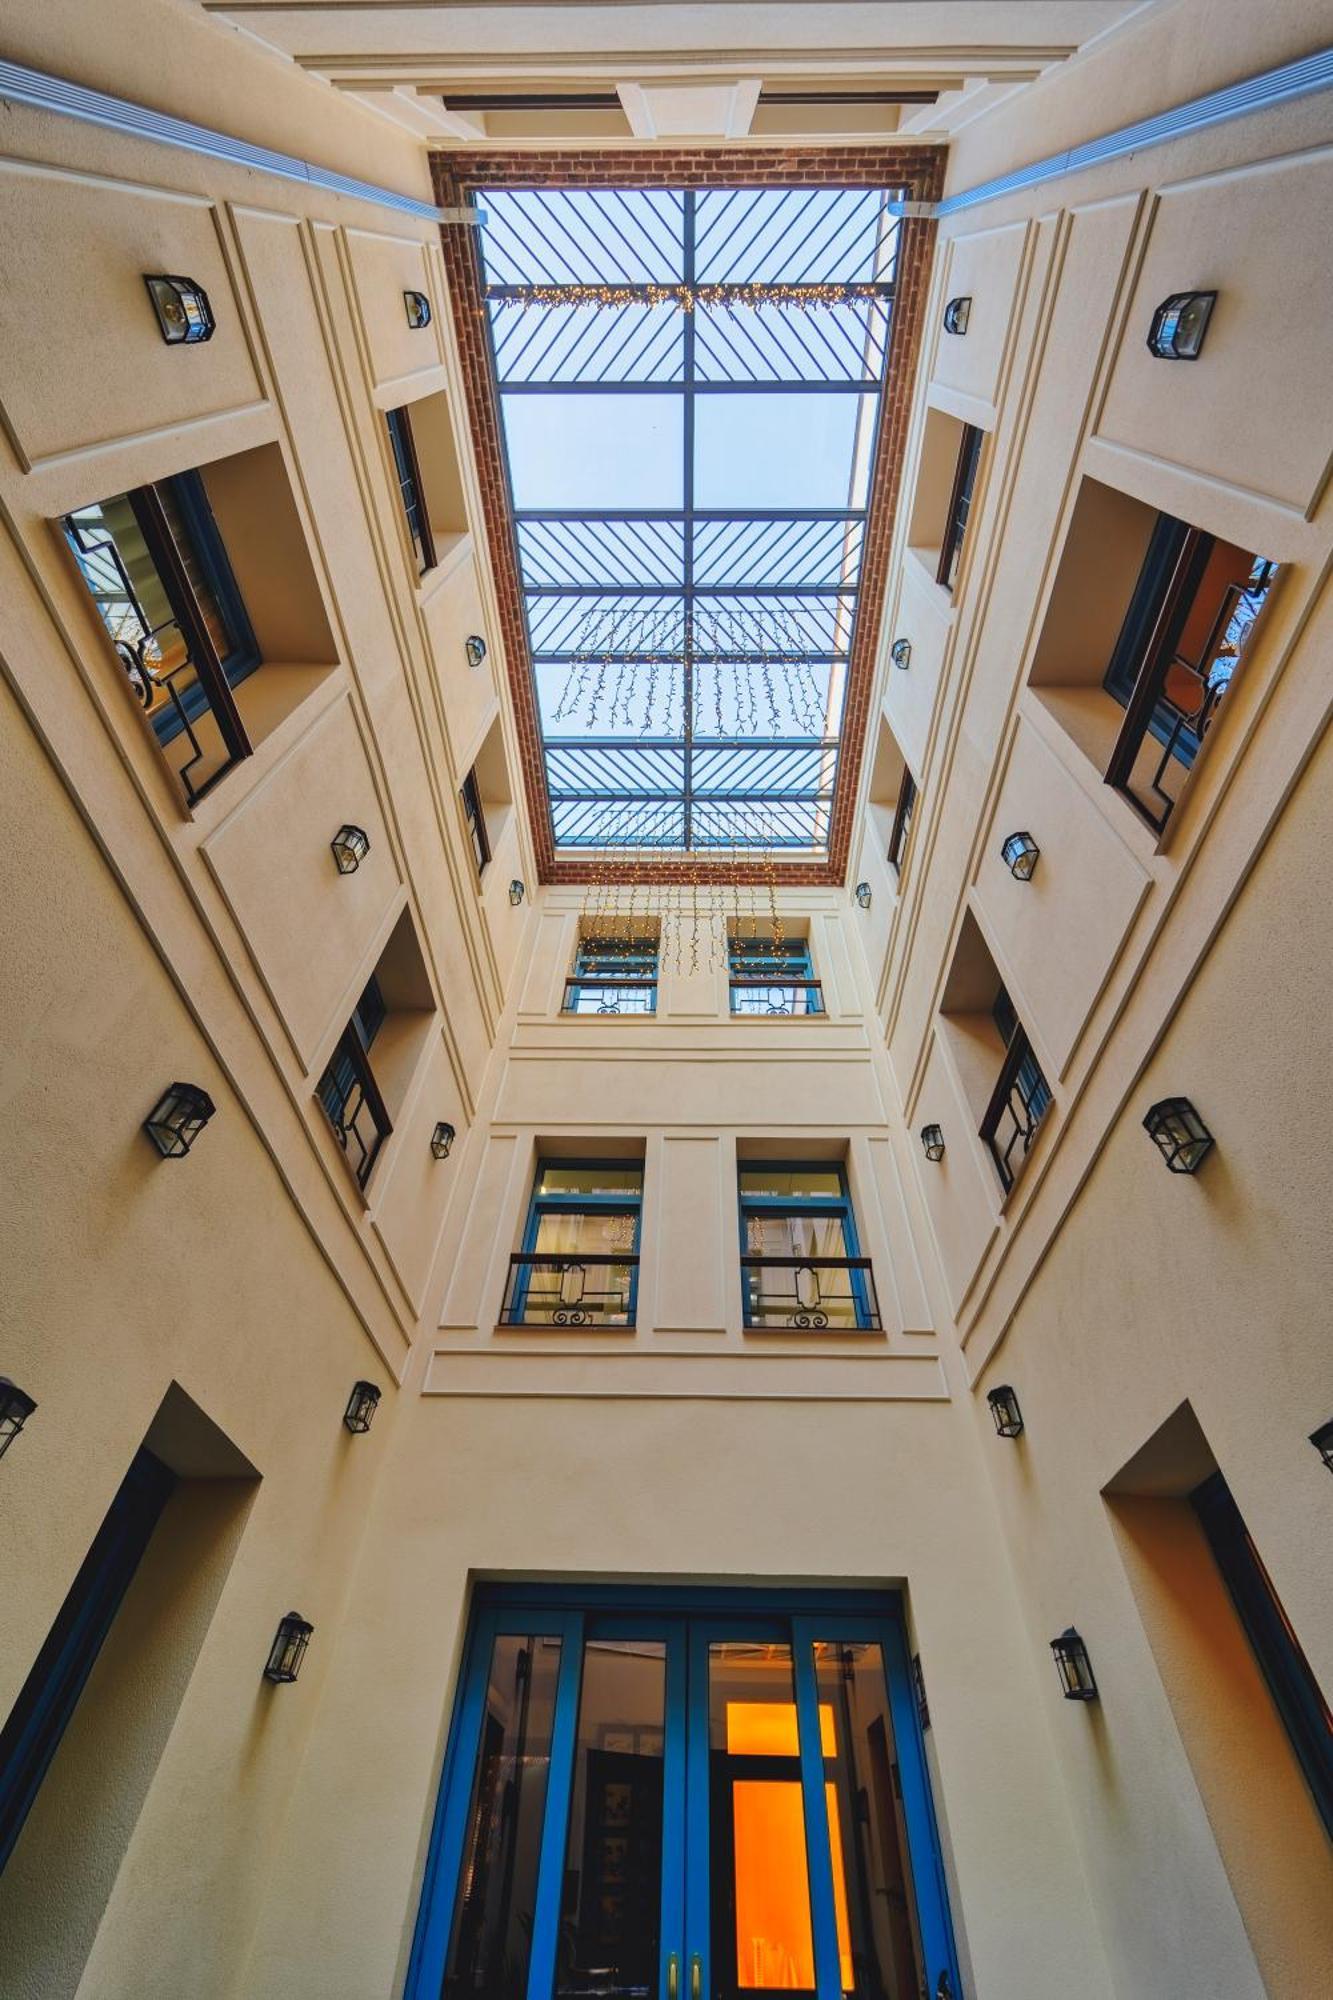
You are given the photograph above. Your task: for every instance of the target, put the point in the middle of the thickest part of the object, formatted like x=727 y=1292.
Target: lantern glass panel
x=1074 y=1666
x=1180 y=1134
x=177 y=1119
x=361 y=1406
x=16 y=1406
x=476 y=649
x=863 y=894
x=1004 y=1409
x=932 y=1141
x=1020 y=854
x=183 y=312
x=288 y=1648
x=418 y=309
x=1179 y=325
x=901 y=653
x=441 y=1139
x=956 y=315
x=351 y=845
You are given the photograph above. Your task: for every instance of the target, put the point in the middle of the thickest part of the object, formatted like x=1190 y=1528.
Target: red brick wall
x=919 y=172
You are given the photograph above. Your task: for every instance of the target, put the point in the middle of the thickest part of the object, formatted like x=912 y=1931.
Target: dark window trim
x=411 y=487
x=860 y=1276
x=348 y=1072
x=50 y=1695
x=902 y=821
x=960 y=504
x=1296 y=1695
x=475 y=812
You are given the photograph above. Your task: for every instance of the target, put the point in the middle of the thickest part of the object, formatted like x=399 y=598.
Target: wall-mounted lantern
x=475 y=648
x=16 y=1406
x=418 y=309
x=361 y=1407
x=1074 y=1667
x=932 y=1142
x=1179 y=325
x=900 y=652
x=351 y=845
x=177 y=1119
x=862 y=893
x=288 y=1649
x=1004 y=1408
x=956 y=315
x=1175 y=1127
x=1322 y=1440
x=441 y=1139
x=516 y=892
x=183 y=312
x=1020 y=854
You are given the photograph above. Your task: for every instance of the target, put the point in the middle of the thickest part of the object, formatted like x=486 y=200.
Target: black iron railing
x=820 y=1292
x=589 y=993
x=776 y=996
x=545 y=1289
x=1018 y=1104
x=353 y=1104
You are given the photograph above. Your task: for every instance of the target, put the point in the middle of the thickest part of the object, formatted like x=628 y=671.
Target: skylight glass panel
x=690 y=386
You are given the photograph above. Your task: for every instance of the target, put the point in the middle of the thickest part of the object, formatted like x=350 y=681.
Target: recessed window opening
x=579 y=1264
x=942 y=504
x=428 y=477
x=771 y=976
x=996 y=1064
x=801 y=1265
x=689 y=384
x=615 y=970
x=359 y=1090
x=475 y=815
x=893 y=798
x=200 y=579
x=1148 y=626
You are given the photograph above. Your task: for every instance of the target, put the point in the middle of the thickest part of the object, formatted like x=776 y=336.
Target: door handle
x=944 y=1986
x=673 y=1977
x=696 y=1977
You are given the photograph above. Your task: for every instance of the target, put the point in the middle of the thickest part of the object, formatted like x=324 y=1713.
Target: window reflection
x=610 y=1923
x=491 y=1940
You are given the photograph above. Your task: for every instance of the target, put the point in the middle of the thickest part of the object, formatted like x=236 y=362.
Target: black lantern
x=956 y=315
x=16 y=1406
x=476 y=649
x=932 y=1141
x=361 y=1407
x=288 y=1649
x=441 y=1139
x=1019 y=854
x=1179 y=325
x=1176 y=1127
x=1322 y=1440
x=418 y=309
x=351 y=845
x=1004 y=1408
x=863 y=894
x=177 y=1119
x=900 y=652
x=516 y=892
x=1073 y=1666
x=182 y=309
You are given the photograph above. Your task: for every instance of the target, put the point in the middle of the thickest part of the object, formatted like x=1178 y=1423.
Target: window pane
x=599 y=452
x=762 y=1933
x=878 y=1944
x=558 y=1178
x=793 y=1183
x=569 y=1233
x=492 y=1930
x=758 y=450
x=128 y=592
x=611 y=1920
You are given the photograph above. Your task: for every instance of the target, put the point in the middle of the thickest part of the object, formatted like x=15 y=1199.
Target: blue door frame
x=688 y=1622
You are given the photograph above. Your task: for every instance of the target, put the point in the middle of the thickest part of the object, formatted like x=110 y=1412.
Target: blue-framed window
x=1296 y=1693
x=49 y=1696
x=651 y=1791
x=1021 y=1097
x=579 y=1265
x=613 y=975
x=801 y=1264
x=158 y=572
x=768 y=977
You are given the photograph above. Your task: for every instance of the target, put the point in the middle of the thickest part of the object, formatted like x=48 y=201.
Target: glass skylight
x=689 y=384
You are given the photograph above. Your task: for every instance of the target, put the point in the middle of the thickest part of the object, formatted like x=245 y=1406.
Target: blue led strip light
x=96 y=107
x=1256 y=93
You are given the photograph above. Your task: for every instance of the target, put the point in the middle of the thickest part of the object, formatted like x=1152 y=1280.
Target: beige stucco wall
x=276 y=1837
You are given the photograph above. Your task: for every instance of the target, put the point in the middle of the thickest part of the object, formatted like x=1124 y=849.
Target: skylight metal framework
x=689 y=649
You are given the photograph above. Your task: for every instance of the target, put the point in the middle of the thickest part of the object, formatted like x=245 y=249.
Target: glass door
x=648 y=1804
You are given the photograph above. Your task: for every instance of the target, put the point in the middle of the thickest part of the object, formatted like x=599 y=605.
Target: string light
x=823 y=297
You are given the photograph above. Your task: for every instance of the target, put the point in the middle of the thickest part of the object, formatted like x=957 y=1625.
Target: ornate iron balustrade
x=591 y=993
x=818 y=1292
x=1018 y=1104
x=763 y=997
x=545 y=1289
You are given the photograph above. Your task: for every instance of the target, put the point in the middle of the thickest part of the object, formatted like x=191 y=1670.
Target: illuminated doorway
x=670 y=1795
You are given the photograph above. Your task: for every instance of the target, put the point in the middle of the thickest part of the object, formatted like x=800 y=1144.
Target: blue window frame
x=613 y=975
x=49 y=1696
x=767 y=977
x=791 y=1714
x=579 y=1264
x=801 y=1263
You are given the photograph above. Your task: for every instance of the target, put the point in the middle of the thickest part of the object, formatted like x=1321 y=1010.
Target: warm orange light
x=839 y=1889
x=774 y=1941
x=768 y=1729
